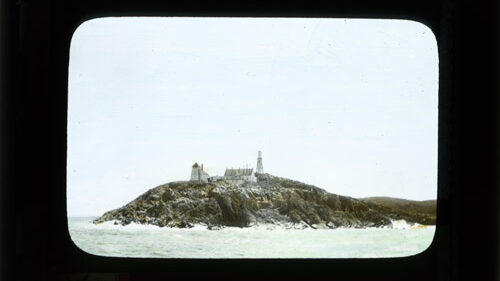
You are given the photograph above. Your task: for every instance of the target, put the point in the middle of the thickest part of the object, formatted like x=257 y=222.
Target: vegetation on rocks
x=270 y=200
x=423 y=212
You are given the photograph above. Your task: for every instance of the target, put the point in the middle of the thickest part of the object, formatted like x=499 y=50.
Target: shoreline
x=396 y=224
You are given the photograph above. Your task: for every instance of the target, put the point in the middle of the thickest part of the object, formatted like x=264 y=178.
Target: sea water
x=135 y=240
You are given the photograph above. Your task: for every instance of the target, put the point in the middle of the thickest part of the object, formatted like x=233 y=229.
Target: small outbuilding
x=197 y=173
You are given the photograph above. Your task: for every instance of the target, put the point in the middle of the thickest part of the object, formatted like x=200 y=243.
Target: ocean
x=136 y=240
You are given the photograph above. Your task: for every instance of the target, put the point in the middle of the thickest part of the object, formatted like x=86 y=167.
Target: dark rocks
x=184 y=224
x=422 y=212
x=271 y=200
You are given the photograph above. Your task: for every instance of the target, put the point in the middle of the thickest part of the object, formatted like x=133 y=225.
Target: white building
x=239 y=175
x=236 y=176
x=197 y=174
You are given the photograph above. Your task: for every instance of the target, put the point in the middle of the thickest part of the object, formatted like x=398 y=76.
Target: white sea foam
x=113 y=224
x=396 y=224
x=403 y=224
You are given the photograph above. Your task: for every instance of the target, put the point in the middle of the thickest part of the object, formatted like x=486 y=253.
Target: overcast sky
x=350 y=106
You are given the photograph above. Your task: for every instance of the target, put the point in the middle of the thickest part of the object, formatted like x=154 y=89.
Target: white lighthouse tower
x=260 y=168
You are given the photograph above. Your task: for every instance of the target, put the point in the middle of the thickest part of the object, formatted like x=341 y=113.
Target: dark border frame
x=36 y=110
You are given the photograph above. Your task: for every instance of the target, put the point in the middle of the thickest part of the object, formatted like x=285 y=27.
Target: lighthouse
x=260 y=168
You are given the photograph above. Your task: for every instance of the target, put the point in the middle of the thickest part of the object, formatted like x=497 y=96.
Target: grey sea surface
x=134 y=240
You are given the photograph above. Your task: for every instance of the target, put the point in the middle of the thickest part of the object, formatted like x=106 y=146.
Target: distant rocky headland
x=266 y=200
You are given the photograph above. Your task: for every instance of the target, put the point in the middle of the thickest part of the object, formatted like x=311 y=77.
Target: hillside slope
x=422 y=211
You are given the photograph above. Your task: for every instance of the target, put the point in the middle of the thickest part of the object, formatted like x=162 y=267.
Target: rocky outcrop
x=270 y=200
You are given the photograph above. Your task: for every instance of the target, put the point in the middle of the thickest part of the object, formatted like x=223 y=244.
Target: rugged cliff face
x=270 y=200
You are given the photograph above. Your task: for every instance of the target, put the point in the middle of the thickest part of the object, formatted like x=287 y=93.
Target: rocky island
x=266 y=200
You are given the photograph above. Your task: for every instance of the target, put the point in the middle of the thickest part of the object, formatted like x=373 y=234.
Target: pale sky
x=348 y=105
